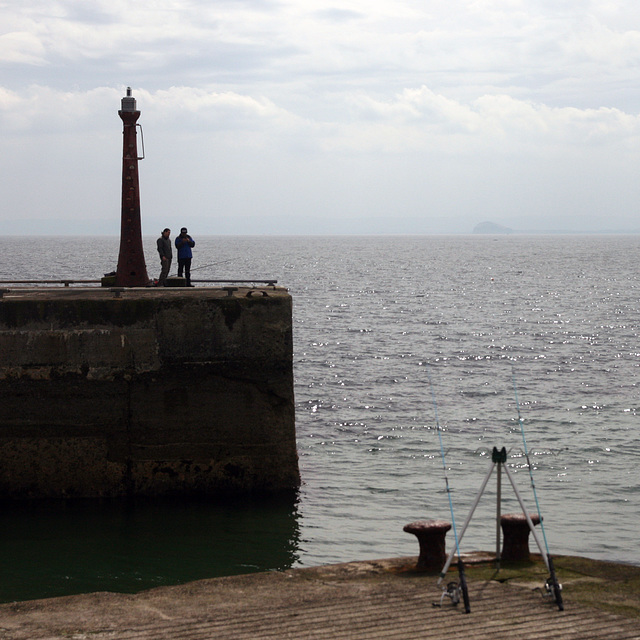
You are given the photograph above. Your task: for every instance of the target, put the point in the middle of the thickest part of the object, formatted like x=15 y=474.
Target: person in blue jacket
x=184 y=242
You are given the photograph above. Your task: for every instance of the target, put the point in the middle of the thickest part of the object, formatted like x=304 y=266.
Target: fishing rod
x=453 y=589
x=204 y=266
x=553 y=587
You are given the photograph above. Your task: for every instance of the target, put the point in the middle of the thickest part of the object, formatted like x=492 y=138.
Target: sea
x=414 y=356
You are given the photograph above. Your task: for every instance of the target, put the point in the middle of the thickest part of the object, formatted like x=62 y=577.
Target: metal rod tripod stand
x=498 y=460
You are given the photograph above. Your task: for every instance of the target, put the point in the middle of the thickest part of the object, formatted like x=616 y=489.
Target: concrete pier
x=358 y=600
x=112 y=392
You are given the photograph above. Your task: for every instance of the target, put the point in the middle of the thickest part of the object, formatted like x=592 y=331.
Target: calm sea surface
x=374 y=319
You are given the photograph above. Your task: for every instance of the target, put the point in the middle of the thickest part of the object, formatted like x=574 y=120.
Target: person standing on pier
x=184 y=242
x=166 y=255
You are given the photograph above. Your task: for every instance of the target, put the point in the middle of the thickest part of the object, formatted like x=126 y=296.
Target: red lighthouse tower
x=132 y=270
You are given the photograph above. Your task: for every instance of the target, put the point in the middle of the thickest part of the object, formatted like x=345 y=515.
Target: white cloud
x=21 y=47
x=417 y=116
x=347 y=104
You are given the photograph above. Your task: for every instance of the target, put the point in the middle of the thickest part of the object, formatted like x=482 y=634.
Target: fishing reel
x=552 y=589
x=456 y=591
x=452 y=591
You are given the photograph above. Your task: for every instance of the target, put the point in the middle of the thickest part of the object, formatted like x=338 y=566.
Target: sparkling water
x=553 y=319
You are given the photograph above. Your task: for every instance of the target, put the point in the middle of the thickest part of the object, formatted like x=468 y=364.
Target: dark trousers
x=185 y=264
x=164 y=271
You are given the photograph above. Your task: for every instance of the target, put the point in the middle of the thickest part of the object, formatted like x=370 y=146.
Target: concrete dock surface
x=368 y=600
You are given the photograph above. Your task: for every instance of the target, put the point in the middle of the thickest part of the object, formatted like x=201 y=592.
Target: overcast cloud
x=376 y=116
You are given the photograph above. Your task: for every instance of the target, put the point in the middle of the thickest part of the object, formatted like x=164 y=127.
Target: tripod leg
x=543 y=553
x=447 y=564
x=553 y=580
x=498 y=506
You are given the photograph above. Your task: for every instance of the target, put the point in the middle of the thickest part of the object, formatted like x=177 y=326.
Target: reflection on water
x=561 y=312
x=60 y=548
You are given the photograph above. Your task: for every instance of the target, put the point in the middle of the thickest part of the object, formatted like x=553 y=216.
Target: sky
x=322 y=117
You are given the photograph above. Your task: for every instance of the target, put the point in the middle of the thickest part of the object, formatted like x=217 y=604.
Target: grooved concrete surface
x=367 y=600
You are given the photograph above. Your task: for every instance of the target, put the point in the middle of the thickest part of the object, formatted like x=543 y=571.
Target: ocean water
x=392 y=336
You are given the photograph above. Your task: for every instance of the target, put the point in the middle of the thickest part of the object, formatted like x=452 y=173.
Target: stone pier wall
x=146 y=392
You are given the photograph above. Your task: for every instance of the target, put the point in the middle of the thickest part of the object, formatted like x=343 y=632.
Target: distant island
x=491 y=227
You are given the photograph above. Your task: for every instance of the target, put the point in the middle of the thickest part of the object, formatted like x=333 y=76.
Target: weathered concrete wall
x=178 y=391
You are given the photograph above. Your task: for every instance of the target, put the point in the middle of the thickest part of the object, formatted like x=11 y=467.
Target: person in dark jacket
x=184 y=242
x=166 y=255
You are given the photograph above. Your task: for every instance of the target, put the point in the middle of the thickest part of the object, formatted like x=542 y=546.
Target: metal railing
x=118 y=290
x=270 y=283
x=67 y=282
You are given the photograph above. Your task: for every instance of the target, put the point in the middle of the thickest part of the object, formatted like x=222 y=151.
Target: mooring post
x=431 y=538
x=132 y=270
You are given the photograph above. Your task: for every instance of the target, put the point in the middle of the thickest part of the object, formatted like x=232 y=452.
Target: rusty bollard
x=431 y=537
x=515 y=530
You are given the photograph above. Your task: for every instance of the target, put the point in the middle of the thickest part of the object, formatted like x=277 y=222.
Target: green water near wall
x=52 y=549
